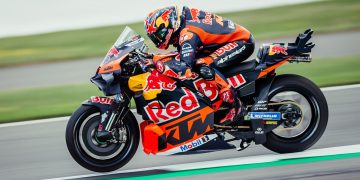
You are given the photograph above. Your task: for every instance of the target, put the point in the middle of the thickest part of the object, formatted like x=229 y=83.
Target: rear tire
x=319 y=118
x=93 y=156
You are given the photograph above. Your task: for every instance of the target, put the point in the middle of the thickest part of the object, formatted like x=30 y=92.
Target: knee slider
x=207 y=73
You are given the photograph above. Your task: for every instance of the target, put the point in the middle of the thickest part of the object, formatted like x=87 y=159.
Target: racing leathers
x=210 y=41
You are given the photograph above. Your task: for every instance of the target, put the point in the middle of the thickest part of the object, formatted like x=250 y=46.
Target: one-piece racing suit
x=208 y=39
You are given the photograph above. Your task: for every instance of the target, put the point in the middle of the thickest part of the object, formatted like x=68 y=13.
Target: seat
x=242 y=67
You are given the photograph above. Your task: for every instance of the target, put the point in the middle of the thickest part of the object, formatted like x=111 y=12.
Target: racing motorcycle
x=284 y=113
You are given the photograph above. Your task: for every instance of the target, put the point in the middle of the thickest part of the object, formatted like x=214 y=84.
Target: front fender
x=106 y=104
x=102 y=103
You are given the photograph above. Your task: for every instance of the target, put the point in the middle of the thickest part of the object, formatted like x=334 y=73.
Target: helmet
x=161 y=24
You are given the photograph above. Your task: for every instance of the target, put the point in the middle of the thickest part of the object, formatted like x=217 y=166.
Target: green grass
x=323 y=16
x=327 y=72
x=43 y=102
x=61 y=101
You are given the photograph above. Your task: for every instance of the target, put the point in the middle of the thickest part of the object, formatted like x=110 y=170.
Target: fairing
x=109 y=71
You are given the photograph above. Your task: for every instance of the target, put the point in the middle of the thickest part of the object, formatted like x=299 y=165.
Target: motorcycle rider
x=204 y=40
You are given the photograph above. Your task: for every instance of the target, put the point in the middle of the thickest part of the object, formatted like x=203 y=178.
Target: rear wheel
x=95 y=155
x=309 y=108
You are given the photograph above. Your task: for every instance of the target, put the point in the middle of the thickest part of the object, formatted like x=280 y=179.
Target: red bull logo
x=155 y=80
x=277 y=50
x=165 y=15
x=113 y=52
x=170 y=73
x=158 y=112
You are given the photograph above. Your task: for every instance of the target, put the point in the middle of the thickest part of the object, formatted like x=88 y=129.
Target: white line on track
x=234 y=161
x=334 y=88
x=39 y=121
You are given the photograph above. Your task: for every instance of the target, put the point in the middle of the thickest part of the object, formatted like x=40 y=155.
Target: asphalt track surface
x=80 y=71
x=38 y=150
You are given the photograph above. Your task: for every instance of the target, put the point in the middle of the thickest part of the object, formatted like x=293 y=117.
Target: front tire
x=96 y=156
x=300 y=140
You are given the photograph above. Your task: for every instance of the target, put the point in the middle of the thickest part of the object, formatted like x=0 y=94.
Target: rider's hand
x=148 y=62
x=144 y=55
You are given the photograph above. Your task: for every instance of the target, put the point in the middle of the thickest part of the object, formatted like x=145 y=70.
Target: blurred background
x=49 y=49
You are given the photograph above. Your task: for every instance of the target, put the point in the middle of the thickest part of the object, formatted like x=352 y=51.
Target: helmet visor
x=159 y=36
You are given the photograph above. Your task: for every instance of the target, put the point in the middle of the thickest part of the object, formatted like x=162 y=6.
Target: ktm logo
x=191 y=127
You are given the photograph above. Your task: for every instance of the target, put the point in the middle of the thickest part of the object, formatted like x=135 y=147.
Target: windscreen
x=125 y=43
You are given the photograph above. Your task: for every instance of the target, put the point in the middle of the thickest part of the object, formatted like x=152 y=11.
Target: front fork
x=118 y=108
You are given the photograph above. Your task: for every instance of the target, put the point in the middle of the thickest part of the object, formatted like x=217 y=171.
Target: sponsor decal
x=227 y=47
x=186 y=48
x=160 y=66
x=155 y=80
x=224 y=59
x=195 y=14
x=165 y=15
x=219 y=20
x=191 y=145
x=186 y=129
x=102 y=100
x=187 y=54
x=170 y=73
x=261 y=106
x=185 y=35
x=158 y=112
x=194 y=144
x=259 y=131
x=206 y=88
x=108 y=68
x=207 y=19
x=270 y=122
x=236 y=81
x=231 y=25
x=113 y=52
x=275 y=116
x=277 y=50
x=188 y=146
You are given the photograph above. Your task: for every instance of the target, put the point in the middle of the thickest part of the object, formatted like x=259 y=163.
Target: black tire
x=318 y=122
x=117 y=158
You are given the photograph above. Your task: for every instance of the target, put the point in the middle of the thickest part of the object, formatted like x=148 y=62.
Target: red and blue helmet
x=161 y=24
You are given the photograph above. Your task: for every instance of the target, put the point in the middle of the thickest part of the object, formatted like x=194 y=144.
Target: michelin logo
x=265 y=115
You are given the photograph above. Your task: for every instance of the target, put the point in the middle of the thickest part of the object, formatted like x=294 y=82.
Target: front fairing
x=108 y=74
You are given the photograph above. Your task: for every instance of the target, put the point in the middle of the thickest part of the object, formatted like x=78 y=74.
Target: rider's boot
x=229 y=96
x=236 y=109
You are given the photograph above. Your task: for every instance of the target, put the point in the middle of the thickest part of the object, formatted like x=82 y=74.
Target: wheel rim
x=308 y=110
x=88 y=143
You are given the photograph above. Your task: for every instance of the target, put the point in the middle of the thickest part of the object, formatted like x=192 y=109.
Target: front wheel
x=309 y=108
x=95 y=155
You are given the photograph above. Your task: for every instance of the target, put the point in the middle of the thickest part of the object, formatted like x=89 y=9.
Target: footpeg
x=243 y=144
